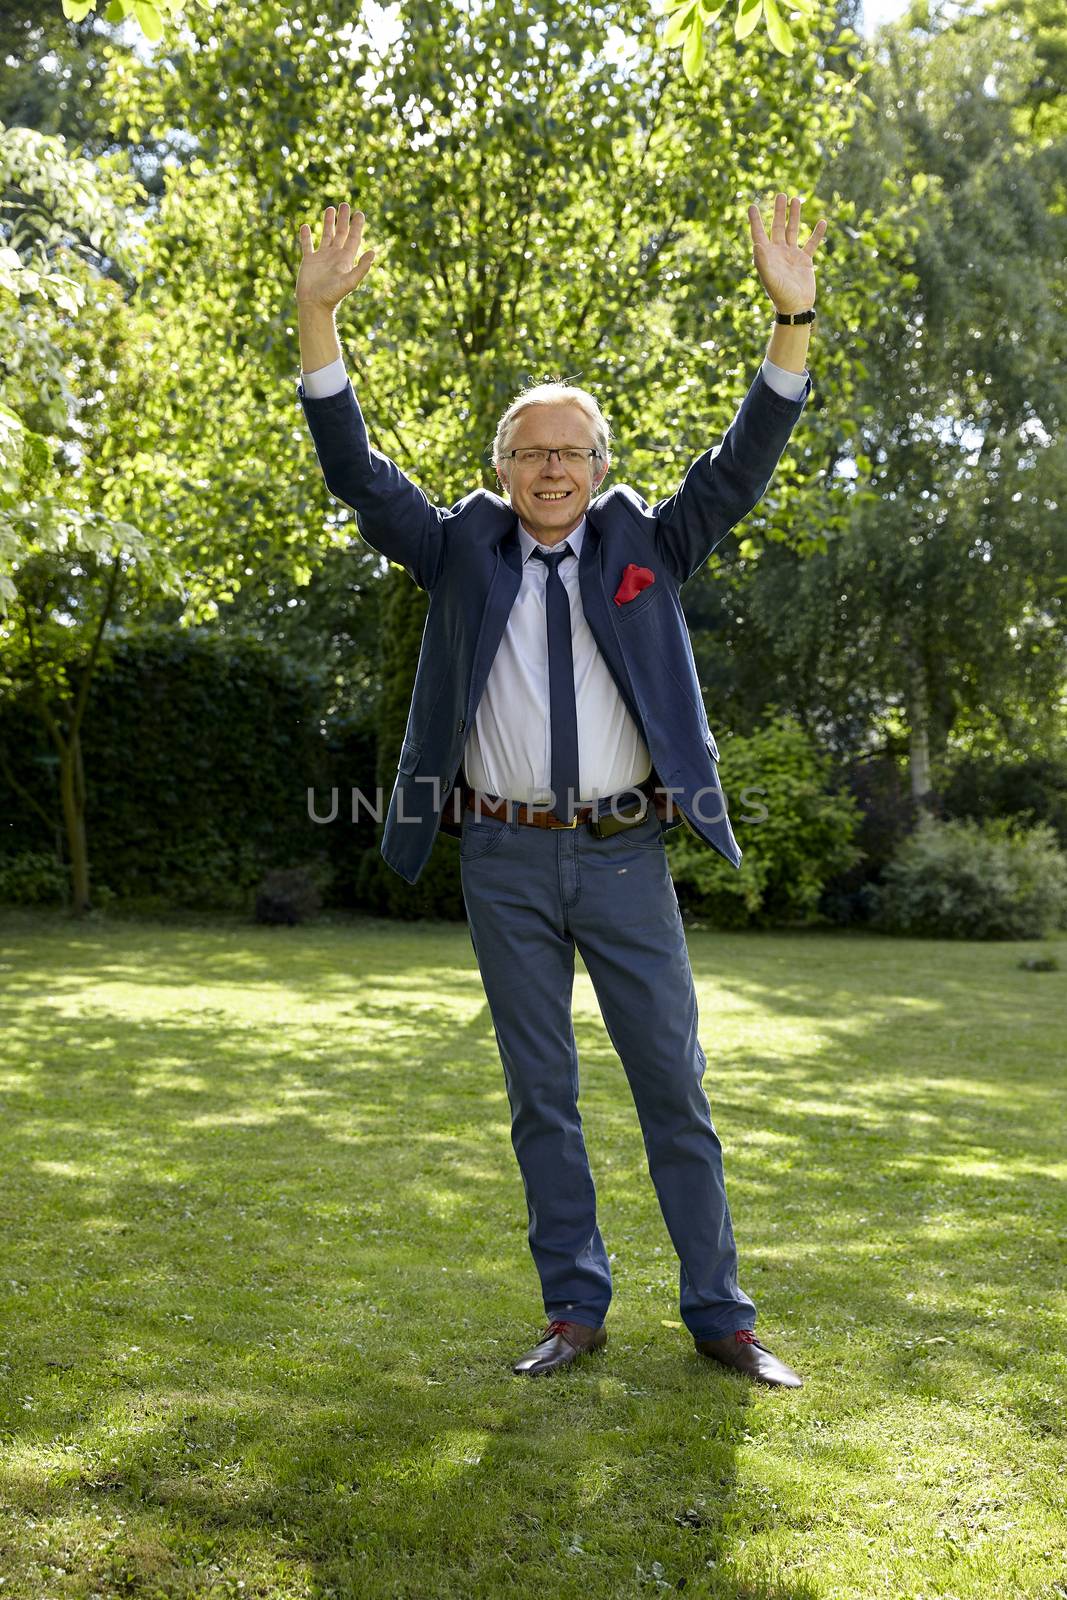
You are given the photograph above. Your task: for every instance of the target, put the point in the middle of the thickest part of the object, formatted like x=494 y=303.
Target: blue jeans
x=531 y=895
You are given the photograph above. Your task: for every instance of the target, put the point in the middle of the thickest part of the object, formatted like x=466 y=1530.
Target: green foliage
x=148 y=14
x=63 y=211
x=799 y=833
x=688 y=20
x=402 y=613
x=203 y=749
x=522 y=235
x=1032 y=788
x=438 y=895
x=938 y=606
x=515 y=235
x=290 y=894
x=32 y=878
x=965 y=879
x=878 y=780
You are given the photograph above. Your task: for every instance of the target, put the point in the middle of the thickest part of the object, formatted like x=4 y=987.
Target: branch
x=451 y=301
x=20 y=789
x=523 y=262
x=79 y=773
x=494 y=309
x=38 y=688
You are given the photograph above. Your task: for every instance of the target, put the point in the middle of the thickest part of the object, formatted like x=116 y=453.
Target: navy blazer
x=468 y=559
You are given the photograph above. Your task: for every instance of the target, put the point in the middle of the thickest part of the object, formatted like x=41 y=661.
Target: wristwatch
x=792 y=318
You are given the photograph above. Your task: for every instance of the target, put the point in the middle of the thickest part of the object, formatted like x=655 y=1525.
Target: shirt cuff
x=789 y=384
x=325 y=380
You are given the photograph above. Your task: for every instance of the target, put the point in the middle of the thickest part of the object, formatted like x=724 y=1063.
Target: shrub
x=1032 y=788
x=438 y=895
x=199 y=748
x=805 y=838
x=289 y=895
x=963 y=879
x=888 y=814
x=32 y=878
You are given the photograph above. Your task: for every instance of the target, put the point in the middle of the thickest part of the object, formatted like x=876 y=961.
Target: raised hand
x=786 y=272
x=327 y=274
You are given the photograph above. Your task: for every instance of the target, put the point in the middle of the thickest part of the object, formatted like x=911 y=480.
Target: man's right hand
x=327 y=274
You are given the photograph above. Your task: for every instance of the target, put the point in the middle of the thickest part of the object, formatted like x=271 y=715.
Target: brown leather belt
x=537 y=817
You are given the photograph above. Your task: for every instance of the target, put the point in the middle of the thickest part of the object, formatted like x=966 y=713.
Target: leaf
x=778 y=28
x=679 y=23
x=149 y=18
x=748 y=14
x=693 y=50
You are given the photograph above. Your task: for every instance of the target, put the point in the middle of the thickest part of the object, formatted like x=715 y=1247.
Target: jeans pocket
x=647 y=835
x=480 y=837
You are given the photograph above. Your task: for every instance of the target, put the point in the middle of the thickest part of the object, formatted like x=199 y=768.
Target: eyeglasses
x=571 y=457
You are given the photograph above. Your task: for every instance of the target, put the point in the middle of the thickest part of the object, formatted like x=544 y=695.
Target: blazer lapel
x=503 y=588
x=595 y=604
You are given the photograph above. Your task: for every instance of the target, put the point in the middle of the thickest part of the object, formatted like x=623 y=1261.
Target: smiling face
x=551 y=498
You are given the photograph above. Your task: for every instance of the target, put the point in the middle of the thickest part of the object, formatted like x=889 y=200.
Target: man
x=556 y=670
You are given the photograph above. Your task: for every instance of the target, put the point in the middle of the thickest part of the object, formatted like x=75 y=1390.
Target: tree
x=940 y=610
x=49 y=70
x=68 y=559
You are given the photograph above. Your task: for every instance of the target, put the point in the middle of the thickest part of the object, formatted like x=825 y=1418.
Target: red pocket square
x=634 y=579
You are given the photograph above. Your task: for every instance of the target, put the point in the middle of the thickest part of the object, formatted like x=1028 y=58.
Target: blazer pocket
x=640 y=602
x=409 y=756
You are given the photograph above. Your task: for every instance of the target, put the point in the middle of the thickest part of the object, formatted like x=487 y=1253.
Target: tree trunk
x=919 y=739
x=72 y=787
x=68 y=741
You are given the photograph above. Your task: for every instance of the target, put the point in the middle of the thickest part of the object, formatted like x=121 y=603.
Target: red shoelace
x=555 y=1327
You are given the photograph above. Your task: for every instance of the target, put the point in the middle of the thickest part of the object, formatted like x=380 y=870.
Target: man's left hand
x=785 y=269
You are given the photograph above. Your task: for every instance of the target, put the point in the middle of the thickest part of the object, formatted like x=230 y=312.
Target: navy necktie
x=563 y=709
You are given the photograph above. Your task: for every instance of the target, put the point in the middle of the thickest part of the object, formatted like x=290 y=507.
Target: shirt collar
x=530 y=544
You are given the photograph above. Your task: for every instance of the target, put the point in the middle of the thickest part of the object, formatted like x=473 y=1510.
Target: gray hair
x=551 y=392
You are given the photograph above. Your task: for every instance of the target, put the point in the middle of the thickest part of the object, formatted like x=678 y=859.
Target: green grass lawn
x=265 y=1270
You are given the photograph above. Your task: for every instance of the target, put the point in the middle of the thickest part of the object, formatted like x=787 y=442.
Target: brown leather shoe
x=560 y=1343
x=744 y=1352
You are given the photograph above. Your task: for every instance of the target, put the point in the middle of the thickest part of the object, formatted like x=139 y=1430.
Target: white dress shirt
x=508 y=752
x=509 y=748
